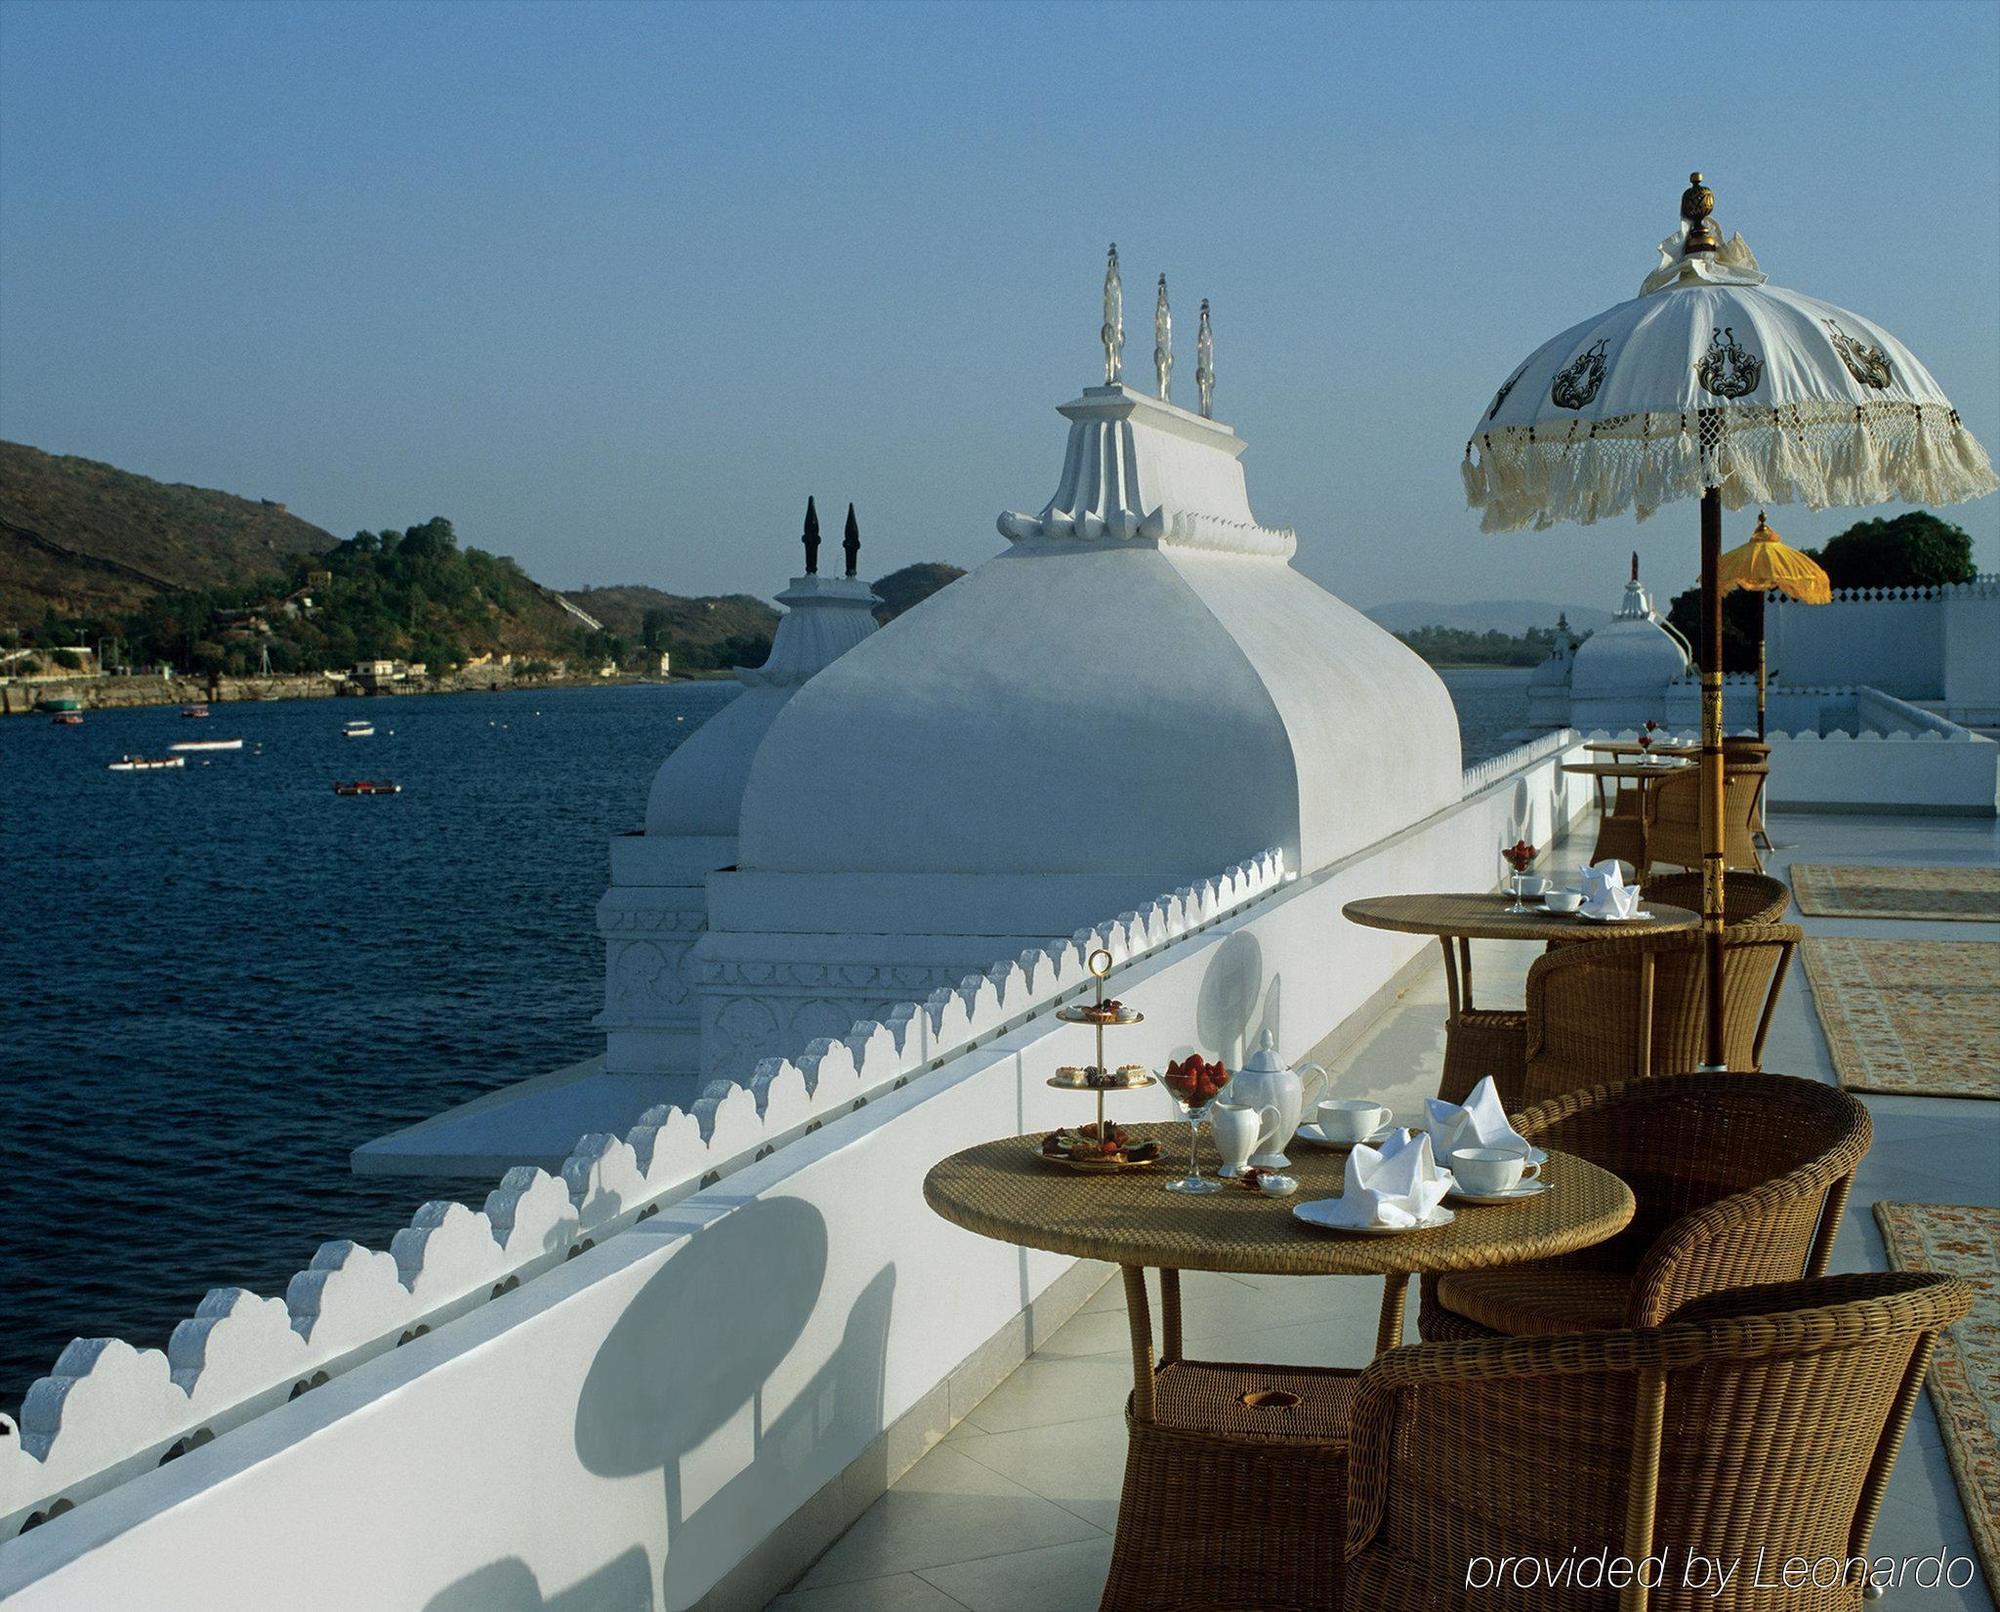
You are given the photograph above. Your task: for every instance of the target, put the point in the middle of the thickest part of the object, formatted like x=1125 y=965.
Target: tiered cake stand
x=1100 y=1077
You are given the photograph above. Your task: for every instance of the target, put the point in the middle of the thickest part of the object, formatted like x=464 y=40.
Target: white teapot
x=1266 y=1084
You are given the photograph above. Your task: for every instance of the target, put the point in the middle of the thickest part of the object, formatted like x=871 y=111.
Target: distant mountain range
x=92 y=547
x=1513 y=616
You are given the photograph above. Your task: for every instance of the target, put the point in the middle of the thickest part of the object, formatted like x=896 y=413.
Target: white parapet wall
x=611 y=1389
x=1856 y=749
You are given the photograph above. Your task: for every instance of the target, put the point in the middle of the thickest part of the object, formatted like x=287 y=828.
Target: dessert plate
x=1323 y=1213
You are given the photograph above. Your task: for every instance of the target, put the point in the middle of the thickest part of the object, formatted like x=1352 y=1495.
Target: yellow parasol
x=1769 y=564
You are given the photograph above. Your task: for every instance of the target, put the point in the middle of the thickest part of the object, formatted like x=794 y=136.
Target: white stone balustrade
x=109 y=1411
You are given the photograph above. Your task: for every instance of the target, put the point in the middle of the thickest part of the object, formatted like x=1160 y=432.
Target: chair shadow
x=677 y=1388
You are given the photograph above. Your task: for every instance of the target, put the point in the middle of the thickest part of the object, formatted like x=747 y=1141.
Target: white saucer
x=1528 y=1188
x=1311 y=1133
x=1536 y=1157
x=1320 y=1213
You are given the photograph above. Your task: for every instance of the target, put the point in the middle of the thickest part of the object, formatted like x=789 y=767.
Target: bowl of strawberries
x=1195 y=1082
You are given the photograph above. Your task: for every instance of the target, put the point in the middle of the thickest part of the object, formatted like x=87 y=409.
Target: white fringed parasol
x=1712 y=384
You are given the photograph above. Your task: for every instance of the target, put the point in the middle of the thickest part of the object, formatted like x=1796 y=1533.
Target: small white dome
x=1634 y=653
x=699 y=788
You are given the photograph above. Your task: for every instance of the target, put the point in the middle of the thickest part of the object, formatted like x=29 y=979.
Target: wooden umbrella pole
x=1763 y=602
x=1712 y=884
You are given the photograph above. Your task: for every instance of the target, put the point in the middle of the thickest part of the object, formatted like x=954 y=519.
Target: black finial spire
x=1635 y=565
x=811 y=538
x=851 y=543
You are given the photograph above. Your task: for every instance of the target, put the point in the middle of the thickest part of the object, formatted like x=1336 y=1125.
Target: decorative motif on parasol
x=1728 y=369
x=1868 y=365
x=1574 y=387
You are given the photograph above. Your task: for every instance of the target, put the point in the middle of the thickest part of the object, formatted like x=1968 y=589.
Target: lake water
x=219 y=981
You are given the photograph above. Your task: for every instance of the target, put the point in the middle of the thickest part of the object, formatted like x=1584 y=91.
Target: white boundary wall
x=1899 y=757
x=631 y=1424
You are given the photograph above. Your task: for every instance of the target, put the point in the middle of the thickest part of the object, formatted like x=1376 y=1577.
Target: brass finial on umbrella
x=1697 y=203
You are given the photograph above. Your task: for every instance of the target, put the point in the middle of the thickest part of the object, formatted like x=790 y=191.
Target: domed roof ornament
x=1112 y=334
x=1163 y=342
x=811 y=538
x=1204 y=364
x=850 y=543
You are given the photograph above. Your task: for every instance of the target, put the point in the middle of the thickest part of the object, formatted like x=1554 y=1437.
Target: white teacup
x=1350 y=1119
x=1235 y=1129
x=1484 y=1170
x=1562 y=900
x=1533 y=884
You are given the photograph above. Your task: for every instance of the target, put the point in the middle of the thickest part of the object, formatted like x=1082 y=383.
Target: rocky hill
x=911 y=586
x=83 y=539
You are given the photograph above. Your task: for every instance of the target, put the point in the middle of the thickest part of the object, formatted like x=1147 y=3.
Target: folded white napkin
x=1397 y=1184
x=1482 y=1122
x=1605 y=892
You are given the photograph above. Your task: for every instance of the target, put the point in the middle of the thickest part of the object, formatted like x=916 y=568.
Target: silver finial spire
x=1204 y=364
x=1163 y=341
x=1113 y=333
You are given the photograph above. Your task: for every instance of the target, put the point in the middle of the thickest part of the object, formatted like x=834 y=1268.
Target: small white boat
x=208 y=744
x=145 y=763
x=358 y=730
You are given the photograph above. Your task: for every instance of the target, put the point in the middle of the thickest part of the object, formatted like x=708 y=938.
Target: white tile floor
x=1013 y=1511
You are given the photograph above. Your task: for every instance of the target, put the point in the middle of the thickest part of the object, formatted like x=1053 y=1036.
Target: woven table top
x=1005 y=1190
x=1484 y=916
x=1627 y=769
x=1628 y=747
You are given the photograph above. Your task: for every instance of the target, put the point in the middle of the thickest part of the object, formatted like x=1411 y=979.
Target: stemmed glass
x=1517 y=856
x=1646 y=740
x=1194 y=1085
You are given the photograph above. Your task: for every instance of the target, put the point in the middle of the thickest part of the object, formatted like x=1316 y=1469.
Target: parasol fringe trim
x=1829 y=457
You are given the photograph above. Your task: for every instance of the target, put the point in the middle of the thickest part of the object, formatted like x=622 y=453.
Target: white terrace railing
x=1482 y=773
x=108 y=1411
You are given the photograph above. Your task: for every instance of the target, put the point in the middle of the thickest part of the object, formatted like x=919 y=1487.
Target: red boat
x=69 y=719
x=192 y=711
x=368 y=786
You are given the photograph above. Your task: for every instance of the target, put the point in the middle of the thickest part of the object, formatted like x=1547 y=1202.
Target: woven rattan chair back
x=1634 y=1005
x=1739 y=1179
x=1762 y=1419
x=1747 y=898
x=1673 y=827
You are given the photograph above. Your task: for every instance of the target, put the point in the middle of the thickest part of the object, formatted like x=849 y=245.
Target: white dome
x=698 y=790
x=1126 y=713
x=1634 y=653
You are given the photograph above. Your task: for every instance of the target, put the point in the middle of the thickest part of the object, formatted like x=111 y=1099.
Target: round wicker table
x=1204 y=1435
x=1458 y=919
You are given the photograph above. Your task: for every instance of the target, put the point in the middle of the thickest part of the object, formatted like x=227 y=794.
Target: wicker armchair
x=1739 y=1179
x=1765 y=1418
x=1620 y=1007
x=1747 y=898
x=1673 y=818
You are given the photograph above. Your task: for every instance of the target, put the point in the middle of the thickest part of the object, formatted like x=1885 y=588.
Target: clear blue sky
x=615 y=286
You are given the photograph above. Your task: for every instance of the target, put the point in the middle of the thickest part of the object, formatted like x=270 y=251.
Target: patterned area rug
x=1920 y=1018
x=1965 y=1372
x=1827 y=890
